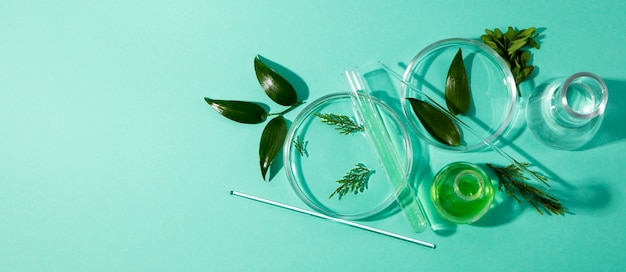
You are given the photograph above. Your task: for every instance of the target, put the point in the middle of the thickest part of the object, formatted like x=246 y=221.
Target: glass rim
x=600 y=107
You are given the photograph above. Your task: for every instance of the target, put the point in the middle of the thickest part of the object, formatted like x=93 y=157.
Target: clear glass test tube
x=370 y=118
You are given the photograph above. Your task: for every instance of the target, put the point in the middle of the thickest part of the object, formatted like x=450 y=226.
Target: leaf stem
x=292 y=107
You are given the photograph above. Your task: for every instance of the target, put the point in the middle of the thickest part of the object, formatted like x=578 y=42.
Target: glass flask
x=566 y=113
x=461 y=192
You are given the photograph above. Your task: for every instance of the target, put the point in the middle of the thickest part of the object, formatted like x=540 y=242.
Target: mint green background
x=110 y=160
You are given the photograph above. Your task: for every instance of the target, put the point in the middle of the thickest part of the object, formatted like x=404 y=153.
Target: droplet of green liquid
x=461 y=192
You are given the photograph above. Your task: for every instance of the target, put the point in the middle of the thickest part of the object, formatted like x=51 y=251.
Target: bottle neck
x=580 y=99
x=469 y=185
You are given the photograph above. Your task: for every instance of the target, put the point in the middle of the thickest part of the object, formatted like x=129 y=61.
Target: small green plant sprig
x=513 y=47
x=343 y=123
x=355 y=181
x=275 y=132
x=511 y=178
x=301 y=146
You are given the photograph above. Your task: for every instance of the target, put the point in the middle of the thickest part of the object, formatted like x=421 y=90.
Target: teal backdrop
x=110 y=159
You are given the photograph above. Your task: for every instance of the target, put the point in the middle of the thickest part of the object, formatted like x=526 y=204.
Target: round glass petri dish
x=492 y=86
x=316 y=155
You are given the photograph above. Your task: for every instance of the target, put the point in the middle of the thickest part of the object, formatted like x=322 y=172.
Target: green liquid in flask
x=461 y=192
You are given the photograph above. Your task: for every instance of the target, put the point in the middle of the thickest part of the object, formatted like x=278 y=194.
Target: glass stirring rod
x=370 y=118
x=468 y=127
x=341 y=221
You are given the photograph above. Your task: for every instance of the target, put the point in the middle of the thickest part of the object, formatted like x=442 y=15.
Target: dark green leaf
x=498 y=33
x=510 y=33
x=517 y=62
x=527 y=71
x=534 y=43
x=239 y=111
x=525 y=56
x=272 y=140
x=436 y=122
x=274 y=85
x=499 y=43
x=516 y=73
x=457 y=90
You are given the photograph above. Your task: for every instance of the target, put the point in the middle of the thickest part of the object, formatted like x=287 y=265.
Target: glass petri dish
x=493 y=91
x=327 y=156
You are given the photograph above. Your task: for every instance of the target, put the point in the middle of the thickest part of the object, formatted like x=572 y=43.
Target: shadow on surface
x=612 y=129
x=534 y=163
x=589 y=198
x=504 y=210
x=438 y=225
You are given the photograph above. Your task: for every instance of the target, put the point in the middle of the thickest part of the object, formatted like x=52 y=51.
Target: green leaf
x=272 y=140
x=534 y=43
x=523 y=34
x=527 y=32
x=436 y=122
x=274 y=85
x=500 y=44
x=510 y=33
x=490 y=43
x=511 y=46
x=516 y=45
x=498 y=33
x=527 y=71
x=239 y=111
x=525 y=56
x=517 y=62
x=457 y=90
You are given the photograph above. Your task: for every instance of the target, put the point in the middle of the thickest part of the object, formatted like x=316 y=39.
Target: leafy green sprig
x=513 y=47
x=511 y=178
x=355 y=181
x=343 y=123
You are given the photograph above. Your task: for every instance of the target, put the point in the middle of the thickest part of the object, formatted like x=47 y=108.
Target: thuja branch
x=343 y=123
x=301 y=146
x=355 y=181
x=512 y=180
